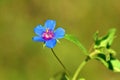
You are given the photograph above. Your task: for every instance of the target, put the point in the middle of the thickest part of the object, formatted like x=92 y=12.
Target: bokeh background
x=23 y=59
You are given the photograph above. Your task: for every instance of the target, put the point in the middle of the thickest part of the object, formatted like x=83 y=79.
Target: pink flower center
x=48 y=34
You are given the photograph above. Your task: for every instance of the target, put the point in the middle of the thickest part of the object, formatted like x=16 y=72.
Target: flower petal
x=38 y=39
x=59 y=33
x=39 y=30
x=51 y=43
x=50 y=24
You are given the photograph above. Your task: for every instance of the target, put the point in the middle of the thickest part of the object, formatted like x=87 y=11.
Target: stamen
x=48 y=34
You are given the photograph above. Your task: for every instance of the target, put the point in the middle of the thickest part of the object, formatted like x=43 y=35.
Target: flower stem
x=77 y=72
x=60 y=61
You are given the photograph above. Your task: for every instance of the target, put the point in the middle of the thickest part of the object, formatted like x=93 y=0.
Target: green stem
x=60 y=61
x=77 y=72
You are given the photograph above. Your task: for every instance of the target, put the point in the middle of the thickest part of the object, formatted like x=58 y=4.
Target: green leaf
x=77 y=42
x=113 y=64
x=116 y=65
x=106 y=40
x=102 y=58
x=104 y=53
x=103 y=44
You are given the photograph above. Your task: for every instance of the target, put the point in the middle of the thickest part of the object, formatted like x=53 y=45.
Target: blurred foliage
x=22 y=59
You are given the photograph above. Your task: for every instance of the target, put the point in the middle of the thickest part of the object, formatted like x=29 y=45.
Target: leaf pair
x=112 y=64
x=105 y=54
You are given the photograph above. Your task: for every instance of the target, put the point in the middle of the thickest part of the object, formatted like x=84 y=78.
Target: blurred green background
x=23 y=59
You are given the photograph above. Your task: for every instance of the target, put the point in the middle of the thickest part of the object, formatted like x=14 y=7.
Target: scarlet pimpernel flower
x=47 y=35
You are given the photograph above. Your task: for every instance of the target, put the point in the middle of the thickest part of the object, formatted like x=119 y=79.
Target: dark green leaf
x=77 y=42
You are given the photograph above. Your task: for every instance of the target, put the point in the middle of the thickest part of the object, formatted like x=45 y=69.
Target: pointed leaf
x=102 y=59
x=113 y=64
x=77 y=42
x=116 y=65
x=106 y=40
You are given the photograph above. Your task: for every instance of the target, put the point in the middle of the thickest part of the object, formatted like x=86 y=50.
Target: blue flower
x=47 y=35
